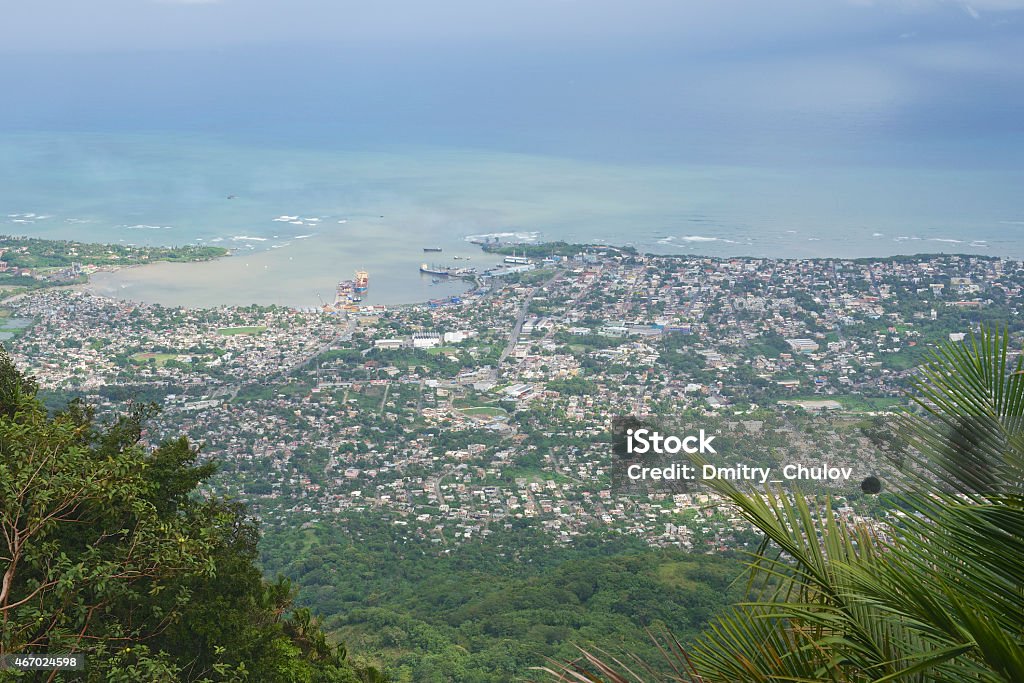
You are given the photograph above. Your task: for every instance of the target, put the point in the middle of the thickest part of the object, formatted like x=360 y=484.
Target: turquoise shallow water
x=300 y=219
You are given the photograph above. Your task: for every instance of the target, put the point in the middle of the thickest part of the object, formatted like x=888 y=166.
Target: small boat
x=432 y=249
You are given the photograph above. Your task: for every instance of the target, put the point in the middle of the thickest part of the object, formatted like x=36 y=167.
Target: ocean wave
x=979 y=243
x=947 y=240
x=239 y=238
x=141 y=226
x=877 y=234
x=302 y=237
x=285 y=219
x=695 y=238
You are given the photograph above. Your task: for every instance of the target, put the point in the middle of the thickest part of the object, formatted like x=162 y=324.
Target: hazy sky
x=58 y=25
x=651 y=77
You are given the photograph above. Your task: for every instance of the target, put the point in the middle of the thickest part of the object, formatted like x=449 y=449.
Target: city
x=456 y=418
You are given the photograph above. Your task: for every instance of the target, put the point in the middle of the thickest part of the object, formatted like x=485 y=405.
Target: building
x=426 y=340
x=803 y=345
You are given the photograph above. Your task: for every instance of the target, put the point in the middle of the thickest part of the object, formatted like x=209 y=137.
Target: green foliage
x=937 y=596
x=106 y=550
x=546 y=249
x=573 y=386
x=489 y=610
x=32 y=252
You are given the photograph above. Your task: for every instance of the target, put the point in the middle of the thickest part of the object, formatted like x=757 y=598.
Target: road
x=229 y=392
x=437 y=487
x=344 y=335
x=521 y=318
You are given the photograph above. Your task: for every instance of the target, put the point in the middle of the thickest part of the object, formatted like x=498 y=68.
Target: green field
x=160 y=358
x=484 y=411
x=438 y=350
x=234 y=331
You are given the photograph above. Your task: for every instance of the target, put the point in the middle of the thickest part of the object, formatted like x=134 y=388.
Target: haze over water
x=871 y=132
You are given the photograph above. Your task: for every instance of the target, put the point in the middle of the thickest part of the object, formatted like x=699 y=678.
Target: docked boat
x=443 y=271
x=349 y=291
x=362 y=281
x=344 y=292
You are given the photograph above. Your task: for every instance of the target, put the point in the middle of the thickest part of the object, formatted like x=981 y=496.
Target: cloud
x=973 y=7
x=735 y=26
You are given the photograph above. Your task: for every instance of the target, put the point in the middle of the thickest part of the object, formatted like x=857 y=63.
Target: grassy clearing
x=484 y=411
x=676 y=575
x=235 y=331
x=438 y=350
x=160 y=358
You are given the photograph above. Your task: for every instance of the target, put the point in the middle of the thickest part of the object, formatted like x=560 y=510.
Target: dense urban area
x=483 y=423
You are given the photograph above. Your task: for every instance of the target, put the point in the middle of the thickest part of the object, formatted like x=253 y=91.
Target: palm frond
x=937 y=596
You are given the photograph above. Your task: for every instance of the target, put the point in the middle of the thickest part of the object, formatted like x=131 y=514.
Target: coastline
x=236 y=274
x=300 y=275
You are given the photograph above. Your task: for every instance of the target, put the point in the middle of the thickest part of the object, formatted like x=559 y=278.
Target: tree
x=81 y=535
x=939 y=596
x=106 y=549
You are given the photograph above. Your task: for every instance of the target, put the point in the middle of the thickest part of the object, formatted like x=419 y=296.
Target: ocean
x=298 y=218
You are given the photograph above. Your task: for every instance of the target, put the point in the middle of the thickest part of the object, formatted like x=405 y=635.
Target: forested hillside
x=488 y=611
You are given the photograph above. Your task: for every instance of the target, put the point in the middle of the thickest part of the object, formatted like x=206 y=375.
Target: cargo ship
x=362 y=281
x=349 y=291
x=344 y=292
x=446 y=271
x=443 y=271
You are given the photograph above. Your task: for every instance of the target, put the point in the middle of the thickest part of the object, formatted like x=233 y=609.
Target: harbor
x=446 y=271
x=303 y=274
